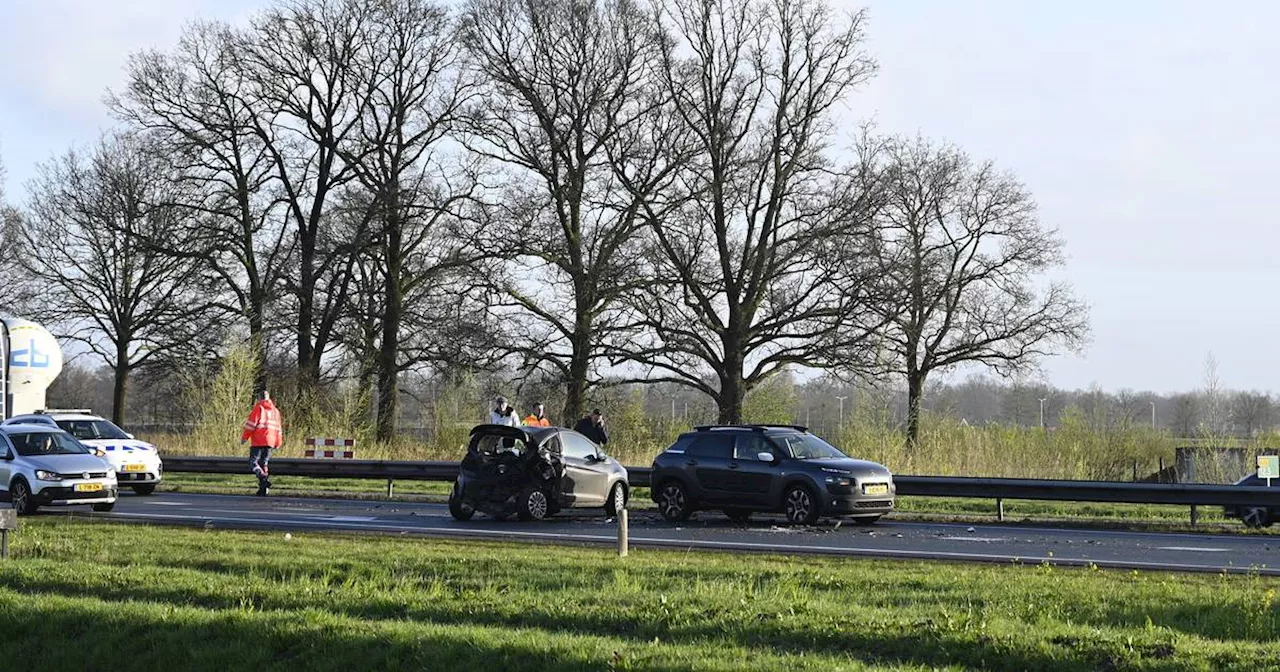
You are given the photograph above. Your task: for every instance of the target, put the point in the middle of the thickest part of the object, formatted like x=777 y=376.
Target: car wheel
x=104 y=507
x=673 y=502
x=1256 y=517
x=145 y=490
x=800 y=506
x=617 y=500
x=865 y=520
x=738 y=515
x=21 y=498
x=533 y=504
x=459 y=509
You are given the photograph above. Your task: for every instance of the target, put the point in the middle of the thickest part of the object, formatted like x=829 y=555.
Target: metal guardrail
x=928 y=486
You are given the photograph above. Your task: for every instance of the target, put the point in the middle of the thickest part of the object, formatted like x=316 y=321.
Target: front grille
x=874 y=504
x=80 y=475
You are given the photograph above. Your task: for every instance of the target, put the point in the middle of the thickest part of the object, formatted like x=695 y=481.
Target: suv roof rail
x=47 y=411
x=753 y=427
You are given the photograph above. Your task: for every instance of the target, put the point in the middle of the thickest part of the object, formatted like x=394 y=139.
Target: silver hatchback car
x=45 y=466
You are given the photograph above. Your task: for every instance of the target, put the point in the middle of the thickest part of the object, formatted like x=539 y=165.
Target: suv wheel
x=533 y=504
x=738 y=515
x=800 y=506
x=617 y=500
x=459 y=509
x=22 y=499
x=673 y=502
x=1256 y=517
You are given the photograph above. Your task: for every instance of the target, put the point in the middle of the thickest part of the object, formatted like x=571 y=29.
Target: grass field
x=77 y=595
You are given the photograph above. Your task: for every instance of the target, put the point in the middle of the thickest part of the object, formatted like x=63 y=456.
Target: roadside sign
x=1269 y=467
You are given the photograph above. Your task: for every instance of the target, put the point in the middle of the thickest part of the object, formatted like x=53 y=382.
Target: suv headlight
x=47 y=475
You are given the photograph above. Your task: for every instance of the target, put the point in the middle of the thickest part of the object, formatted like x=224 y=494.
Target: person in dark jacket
x=592 y=427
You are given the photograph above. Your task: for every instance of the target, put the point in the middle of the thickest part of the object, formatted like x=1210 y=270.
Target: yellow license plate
x=875 y=489
x=135 y=467
x=88 y=487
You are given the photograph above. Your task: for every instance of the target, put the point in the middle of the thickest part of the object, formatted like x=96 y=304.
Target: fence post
x=391 y=488
x=999 y=509
x=8 y=521
x=622 y=533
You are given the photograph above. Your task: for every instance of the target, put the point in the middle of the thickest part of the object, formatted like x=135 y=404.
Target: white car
x=137 y=463
x=43 y=466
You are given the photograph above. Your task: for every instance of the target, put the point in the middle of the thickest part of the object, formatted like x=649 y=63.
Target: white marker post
x=622 y=533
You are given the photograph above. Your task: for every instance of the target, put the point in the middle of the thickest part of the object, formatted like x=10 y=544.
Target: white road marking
x=351 y=519
x=169 y=503
x=974 y=538
x=1191 y=548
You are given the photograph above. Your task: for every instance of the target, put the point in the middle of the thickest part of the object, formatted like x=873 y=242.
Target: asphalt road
x=712 y=531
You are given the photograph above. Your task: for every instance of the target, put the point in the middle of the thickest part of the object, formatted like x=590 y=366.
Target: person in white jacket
x=503 y=414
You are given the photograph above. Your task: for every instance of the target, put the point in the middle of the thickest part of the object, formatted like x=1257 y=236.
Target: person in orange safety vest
x=262 y=431
x=538 y=418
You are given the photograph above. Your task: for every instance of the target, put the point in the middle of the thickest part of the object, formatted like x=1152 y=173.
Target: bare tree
x=129 y=304
x=407 y=65
x=10 y=272
x=566 y=83
x=758 y=241
x=194 y=101
x=1186 y=415
x=1252 y=412
x=965 y=254
x=300 y=59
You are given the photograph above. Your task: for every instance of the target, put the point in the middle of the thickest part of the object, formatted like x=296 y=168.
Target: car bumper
x=862 y=505
x=152 y=472
x=66 y=495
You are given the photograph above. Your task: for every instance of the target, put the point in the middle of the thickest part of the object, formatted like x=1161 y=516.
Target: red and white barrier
x=348 y=454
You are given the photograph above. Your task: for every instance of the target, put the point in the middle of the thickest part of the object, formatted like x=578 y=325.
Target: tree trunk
x=120 y=385
x=915 y=395
x=393 y=314
x=575 y=402
x=258 y=338
x=308 y=367
x=733 y=389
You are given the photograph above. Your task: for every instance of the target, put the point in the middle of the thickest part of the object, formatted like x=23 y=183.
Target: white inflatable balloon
x=35 y=360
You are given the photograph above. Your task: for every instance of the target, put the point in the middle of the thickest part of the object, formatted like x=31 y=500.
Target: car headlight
x=841 y=481
x=48 y=475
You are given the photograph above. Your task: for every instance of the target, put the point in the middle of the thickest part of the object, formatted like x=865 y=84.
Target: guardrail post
x=8 y=521
x=999 y=509
x=391 y=488
x=1195 y=514
x=622 y=533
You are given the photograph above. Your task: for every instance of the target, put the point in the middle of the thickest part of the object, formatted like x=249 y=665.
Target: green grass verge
x=79 y=595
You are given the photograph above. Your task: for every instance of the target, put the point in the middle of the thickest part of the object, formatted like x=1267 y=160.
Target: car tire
x=145 y=489
x=738 y=515
x=1256 y=517
x=865 y=520
x=617 y=500
x=533 y=504
x=673 y=502
x=459 y=509
x=800 y=505
x=22 y=499
x=104 y=507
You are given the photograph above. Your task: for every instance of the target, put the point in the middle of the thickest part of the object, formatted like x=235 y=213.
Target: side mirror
x=766 y=456
x=8 y=456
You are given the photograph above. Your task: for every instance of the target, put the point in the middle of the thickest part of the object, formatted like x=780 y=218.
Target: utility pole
x=1042 y=427
x=842 y=411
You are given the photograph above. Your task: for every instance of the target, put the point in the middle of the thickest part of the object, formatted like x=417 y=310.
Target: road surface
x=712 y=531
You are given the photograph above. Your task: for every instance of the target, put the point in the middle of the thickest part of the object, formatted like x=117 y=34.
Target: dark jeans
x=258 y=458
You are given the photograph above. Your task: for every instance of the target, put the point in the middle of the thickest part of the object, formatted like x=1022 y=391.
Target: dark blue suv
x=743 y=469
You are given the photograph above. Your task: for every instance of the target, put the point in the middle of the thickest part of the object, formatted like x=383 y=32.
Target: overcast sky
x=1146 y=129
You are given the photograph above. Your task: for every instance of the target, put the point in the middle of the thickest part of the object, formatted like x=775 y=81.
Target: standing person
x=503 y=414
x=592 y=427
x=538 y=418
x=262 y=431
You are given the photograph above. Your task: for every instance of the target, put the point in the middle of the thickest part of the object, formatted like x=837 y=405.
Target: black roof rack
x=753 y=427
